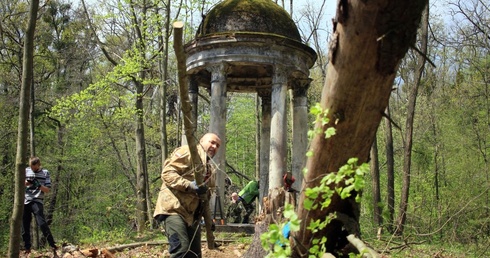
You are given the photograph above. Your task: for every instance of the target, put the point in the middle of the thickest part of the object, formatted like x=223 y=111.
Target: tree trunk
x=378 y=219
x=189 y=128
x=141 y=167
x=390 y=172
x=412 y=101
x=163 y=88
x=34 y=228
x=22 y=135
x=54 y=183
x=142 y=209
x=369 y=40
x=436 y=161
x=31 y=119
x=257 y=138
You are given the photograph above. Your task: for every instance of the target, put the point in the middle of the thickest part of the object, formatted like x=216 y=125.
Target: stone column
x=300 y=132
x=278 y=153
x=265 y=135
x=218 y=125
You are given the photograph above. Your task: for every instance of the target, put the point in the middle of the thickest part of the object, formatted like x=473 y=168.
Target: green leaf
x=309 y=153
x=330 y=132
x=308 y=204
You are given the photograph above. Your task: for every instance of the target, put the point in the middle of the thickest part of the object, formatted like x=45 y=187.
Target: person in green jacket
x=247 y=196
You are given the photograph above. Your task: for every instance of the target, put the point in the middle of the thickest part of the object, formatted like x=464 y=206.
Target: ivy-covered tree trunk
x=22 y=133
x=369 y=40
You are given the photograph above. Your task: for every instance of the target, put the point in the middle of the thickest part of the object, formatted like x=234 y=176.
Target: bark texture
x=22 y=133
x=390 y=172
x=189 y=128
x=369 y=40
x=376 y=192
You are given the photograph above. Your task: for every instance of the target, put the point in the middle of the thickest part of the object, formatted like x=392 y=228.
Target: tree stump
x=272 y=212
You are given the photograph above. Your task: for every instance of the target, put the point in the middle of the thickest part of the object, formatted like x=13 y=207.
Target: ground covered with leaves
x=232 y=249
x=235 y=245
x=227 y=250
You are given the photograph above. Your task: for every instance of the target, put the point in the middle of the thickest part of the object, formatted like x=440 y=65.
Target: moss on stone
x=261 y=16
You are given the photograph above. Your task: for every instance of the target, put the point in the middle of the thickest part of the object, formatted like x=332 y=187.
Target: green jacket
x=249 y=192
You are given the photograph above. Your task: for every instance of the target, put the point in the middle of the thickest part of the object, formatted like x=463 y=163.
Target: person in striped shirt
x=38 y=182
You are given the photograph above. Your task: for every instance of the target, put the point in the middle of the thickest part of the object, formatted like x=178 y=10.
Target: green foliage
x=240 y=133
x=101 y=236
x=87 y=140
x=321 y=119
x=273 y=241
x=349 y=179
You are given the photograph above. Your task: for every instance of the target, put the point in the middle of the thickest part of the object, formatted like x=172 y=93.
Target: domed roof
x=255 y=16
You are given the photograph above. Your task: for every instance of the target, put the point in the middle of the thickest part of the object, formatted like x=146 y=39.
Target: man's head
x=234 y=196
x=210 y=143
x=34 y=163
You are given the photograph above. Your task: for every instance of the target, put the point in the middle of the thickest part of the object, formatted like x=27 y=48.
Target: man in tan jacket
x=178 y=201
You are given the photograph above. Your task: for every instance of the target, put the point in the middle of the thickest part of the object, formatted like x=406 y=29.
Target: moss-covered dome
x=252 y=16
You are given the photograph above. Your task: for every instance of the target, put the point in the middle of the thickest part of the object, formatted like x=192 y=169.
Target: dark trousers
x=184 y=241
x=249 y=209
x=38 y=211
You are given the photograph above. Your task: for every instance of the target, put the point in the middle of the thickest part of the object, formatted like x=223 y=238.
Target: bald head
x=210 y=143
x=234 y=196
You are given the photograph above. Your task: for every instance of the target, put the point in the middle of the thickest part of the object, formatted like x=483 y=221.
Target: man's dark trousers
x=37 y=209
x=184 y=241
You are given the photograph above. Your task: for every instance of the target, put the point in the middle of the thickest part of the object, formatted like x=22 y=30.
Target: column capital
x=300 y=87
x=218 y=71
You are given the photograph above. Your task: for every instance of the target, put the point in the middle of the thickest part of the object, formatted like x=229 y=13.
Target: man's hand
x=34 y=184
x=201 y=189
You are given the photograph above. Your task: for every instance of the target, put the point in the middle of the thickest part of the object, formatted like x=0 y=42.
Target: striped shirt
x=44 y=179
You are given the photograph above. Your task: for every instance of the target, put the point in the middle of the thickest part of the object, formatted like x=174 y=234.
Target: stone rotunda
x=254 y=46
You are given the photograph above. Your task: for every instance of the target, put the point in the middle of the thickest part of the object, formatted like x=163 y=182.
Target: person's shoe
x=54 y=248
x=26 y=253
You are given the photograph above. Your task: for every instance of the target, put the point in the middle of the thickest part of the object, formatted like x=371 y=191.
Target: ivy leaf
x=308 y=204
x=329 y=132
x=346 y=192
x=294 y=225
x=309 y=153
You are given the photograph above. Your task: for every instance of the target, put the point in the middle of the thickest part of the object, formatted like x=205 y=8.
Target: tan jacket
x=175 y=197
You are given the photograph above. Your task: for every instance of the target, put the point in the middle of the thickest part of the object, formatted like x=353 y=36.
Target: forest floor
x=233 y=245
x=237 y=249
x=226 y=250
